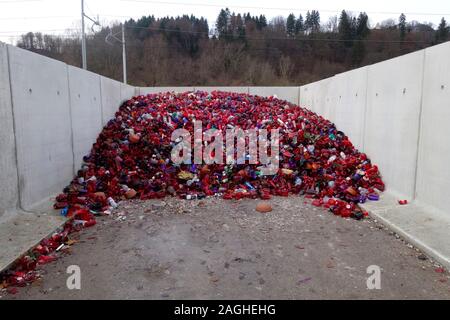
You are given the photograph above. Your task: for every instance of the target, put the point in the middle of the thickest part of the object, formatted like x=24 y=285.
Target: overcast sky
x=54 y=16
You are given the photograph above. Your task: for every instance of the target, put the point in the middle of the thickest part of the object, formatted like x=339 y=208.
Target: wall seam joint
x=101 y=102
x=420 y=125
x=71 y=121
x=365 y=112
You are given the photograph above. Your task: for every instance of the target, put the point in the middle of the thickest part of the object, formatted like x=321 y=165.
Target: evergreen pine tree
x=299 y=25
x=345 y=29
x=290 y=25
x=223 y=22
x=442 y=33
x=402 y=26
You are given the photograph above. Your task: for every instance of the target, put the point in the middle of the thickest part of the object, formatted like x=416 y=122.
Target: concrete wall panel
x=40 y=99
x=304 y=95
x=323 y=92
x=340 y=99
x=392 y=119
x=111 y=98
x=315 y=98
x=350 y=104
x=330 y=99
x=226 y=89
x=433 y=175
x=86 y=111
x=127 y=92
x=8 y=167
x=311 y=96
x=290 y=94
x=307 y=96
x=145 y=90
x=326 y=98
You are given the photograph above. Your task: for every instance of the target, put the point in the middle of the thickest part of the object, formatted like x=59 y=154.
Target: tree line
x=240 y=49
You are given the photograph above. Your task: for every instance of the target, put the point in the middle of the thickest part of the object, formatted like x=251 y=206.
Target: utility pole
x=83 y=37
x=124 y=55
x=124 y=51
x=83 y=34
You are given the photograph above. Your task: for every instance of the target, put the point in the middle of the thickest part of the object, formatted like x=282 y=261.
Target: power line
x=282 y=8
x=208 y=34
x=83 y=33
x=46 y=35
x=41 y=31
x=117 y=16
x=19 y=1
x=249 y=39
x=280 y=38
x=63 y=17
x=48 y=30
x=37 y=18
x=214 y=47
x=88 y=9
x=259 y=50
x=246 y=38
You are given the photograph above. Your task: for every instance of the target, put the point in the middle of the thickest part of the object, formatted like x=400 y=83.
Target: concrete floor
x=216 y=249
x=21 y=231
x=421 y=226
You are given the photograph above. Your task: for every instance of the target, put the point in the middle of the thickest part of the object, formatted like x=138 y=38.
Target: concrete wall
x=111 y=97
x=8 y=167
x=226 y=89
x=320 y=96
x=127 y=92
x=86 y=111
x=291 y=94
x=394 y=94
x=398 y=112
x=350 y=104
x=433 y=172
x=50 y=115
x=342 y=100
x=145 y=90
x=41 y=105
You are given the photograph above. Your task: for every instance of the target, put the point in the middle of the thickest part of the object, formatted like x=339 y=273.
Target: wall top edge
x=418 y=52
x=77 y=69
x=12 y=48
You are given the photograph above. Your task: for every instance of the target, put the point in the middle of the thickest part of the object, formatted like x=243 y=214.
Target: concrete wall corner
x=8 y=164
